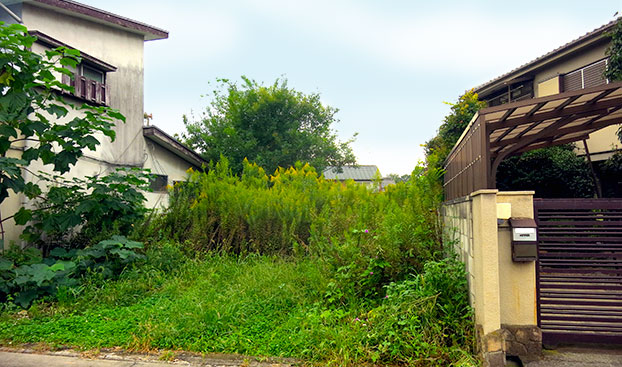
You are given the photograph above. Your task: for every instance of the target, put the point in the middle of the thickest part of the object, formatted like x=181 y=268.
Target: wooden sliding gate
x=579 y=270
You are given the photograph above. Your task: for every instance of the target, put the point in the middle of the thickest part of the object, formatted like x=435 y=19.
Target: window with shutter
x=586 y=77
x=573 y=81
x=593 y=75
x=517 y=92
x=89 y=84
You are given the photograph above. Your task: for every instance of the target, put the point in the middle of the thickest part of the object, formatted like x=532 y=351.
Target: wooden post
x=599 y=189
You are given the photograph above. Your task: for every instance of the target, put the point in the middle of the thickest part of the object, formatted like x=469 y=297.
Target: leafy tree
x=399 y=178
x=613 y=72
x=273 y=126
x=614 y=52
x=31 y=106
x=453 y=125
x=554 y=172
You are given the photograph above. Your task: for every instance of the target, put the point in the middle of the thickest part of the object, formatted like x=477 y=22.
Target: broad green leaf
x=6 y=130
x=134 y=244
x=22 y=216
x=58 y=266
x=63 y=160
x=5 y=144
x=21 y=279
x=71 y=52
x=58 y=252
x=6 y=77
x=25 y=298
x=30 y=154
x=68 y=266
x=122 y=253
x=5 y=264
x=41 y=273
x=68 y=61
x=58 y=110
x=32 y=190
x=116 y=114
x=28 y=128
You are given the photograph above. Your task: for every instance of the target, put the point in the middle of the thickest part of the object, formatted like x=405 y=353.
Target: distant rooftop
x=356 y=173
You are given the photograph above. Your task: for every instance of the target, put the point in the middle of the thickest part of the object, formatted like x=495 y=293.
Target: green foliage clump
x=613 y=72
x=79 y=212
x=261 y=306
x=25 y=276
x=273 y=126
x=297 y=212
x=555 y=172
x=453 y=125
x=427 y=314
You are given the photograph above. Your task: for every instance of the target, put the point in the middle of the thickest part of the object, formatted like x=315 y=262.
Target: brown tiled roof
x=593 y=34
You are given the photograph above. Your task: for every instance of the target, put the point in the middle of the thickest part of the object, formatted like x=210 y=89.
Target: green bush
x=26 y=277
x=262 y=306
x=541 y=170
x=296 y=212
x=288 y=264
x=80 y=212
x=424 y=315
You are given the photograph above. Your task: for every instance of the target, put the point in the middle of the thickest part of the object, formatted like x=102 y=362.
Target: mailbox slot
x=524 y=239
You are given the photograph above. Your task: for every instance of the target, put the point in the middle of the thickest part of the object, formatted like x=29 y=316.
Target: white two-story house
x=111 y=74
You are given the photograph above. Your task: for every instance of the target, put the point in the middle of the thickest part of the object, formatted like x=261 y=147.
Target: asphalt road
x=567 y=357
x=580 y=357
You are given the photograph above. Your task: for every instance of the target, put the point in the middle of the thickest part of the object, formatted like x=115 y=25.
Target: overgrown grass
x=287 y=265
x=256 y=305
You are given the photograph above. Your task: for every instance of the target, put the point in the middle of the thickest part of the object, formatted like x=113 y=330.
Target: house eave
x=171 y=144
x=52 y=42
x=101 y=16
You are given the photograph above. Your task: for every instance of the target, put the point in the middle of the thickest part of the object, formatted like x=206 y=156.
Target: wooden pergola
x=498 y=132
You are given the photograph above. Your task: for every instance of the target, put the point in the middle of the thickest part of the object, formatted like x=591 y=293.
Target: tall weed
x=295 y=211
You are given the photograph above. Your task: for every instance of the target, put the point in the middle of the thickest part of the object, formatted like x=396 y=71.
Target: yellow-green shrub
x=295 y=211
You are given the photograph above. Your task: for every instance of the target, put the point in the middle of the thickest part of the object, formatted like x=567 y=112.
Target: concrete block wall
x=458 y=229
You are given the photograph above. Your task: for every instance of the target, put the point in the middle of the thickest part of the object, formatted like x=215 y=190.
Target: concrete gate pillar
x=502 y=292
x=486 y=277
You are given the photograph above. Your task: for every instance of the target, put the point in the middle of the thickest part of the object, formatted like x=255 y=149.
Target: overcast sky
x=388 y=66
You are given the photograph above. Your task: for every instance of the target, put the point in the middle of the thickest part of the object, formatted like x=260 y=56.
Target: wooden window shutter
x=573 y=81
x=81 y=87
x=93 y=90
x=65 y=79
x=593 y=74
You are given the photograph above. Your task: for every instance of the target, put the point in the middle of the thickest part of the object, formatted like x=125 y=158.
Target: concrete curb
x=107 y=358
